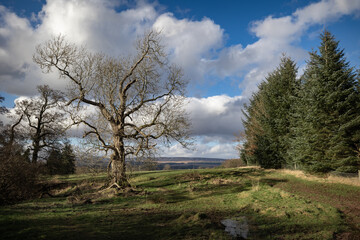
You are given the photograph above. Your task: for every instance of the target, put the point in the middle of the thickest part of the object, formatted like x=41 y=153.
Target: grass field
x=188 y=204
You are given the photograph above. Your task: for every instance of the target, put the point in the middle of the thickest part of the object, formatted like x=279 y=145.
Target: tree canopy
x=312 y=122
x=328 y=122
x=267 y=118
x=138 y=99
x=42 y=119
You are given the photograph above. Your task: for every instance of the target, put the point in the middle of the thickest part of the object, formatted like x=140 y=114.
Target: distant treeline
x=311 y=122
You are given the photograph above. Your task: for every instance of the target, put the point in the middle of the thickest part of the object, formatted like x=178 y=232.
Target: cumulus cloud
x=325 y=11
x=216 y=116
x=189 y=42
x=95 y=24
x=215 y=121
x=98 y=26
x=215 y=150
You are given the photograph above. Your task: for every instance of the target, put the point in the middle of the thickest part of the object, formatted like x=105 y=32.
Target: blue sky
x=226 y=48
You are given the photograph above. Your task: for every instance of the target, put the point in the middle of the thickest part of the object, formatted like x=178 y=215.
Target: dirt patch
x=190 y=176
x=221 y=181
x=347 y=203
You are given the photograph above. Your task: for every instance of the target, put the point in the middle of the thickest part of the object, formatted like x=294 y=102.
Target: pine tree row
x=311 y=123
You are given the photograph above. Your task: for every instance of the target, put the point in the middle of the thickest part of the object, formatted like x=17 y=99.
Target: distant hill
x=188 y=163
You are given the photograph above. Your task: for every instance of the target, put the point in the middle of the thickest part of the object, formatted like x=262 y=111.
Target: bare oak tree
x=139 y=98
x=43 y=122
x=10 y=139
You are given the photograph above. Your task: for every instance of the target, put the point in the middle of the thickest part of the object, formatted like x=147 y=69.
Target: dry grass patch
x=354 y=181
x=221 y=181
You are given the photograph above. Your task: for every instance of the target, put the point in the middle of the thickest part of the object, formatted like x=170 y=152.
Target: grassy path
x=342 y=197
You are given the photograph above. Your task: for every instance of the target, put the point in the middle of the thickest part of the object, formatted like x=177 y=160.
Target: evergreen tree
x=267 y=118
x=54 y=162
x=328 y=112
x=253 y=130
x=61 y=161
x=68 y=159
x=280 y=91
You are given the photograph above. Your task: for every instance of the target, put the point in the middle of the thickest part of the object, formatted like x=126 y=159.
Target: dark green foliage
x=54 y=162
x=61 y=162
x=68 y=159
x=267 y=118
x=278 y=102
x=252 y=129
x=327 y=129
x=313 y=123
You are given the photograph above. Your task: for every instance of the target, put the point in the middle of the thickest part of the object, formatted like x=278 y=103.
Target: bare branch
x=138 y=99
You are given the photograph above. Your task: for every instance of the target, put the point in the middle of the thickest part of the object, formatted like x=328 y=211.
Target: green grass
x=185 y=204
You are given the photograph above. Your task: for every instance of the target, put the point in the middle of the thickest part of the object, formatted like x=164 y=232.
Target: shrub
x=18 y=179
x=232 y=163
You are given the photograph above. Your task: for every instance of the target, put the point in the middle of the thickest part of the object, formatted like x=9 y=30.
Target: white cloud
x=102 y=29
x=285 y=28
x=326 y=10
x=216 y=116
x=96 y=23
x=190 y=41
x=214 y=150
x=93 y=23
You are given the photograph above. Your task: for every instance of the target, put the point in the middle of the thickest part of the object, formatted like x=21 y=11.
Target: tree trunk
x=118 y=171
x=35 y=152
x=118 y=166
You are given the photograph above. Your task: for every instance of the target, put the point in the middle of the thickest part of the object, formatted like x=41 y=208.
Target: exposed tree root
x=115 y=185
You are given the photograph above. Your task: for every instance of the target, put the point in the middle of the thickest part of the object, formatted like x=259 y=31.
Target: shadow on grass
x=168 y=197
x=204 y=191
x=157 y=183
x=245 y=172
x=272 y=181
x=160 y=224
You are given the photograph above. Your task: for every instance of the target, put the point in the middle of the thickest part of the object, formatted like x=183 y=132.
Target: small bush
x=232 y=163
x=18 y=179
x=167 y=167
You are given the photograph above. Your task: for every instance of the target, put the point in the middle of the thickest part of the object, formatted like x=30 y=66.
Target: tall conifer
x=278 y=100
x=328 y=112
x=267 y=118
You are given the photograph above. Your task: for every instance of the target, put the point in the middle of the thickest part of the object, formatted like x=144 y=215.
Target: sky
x=226 y=48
